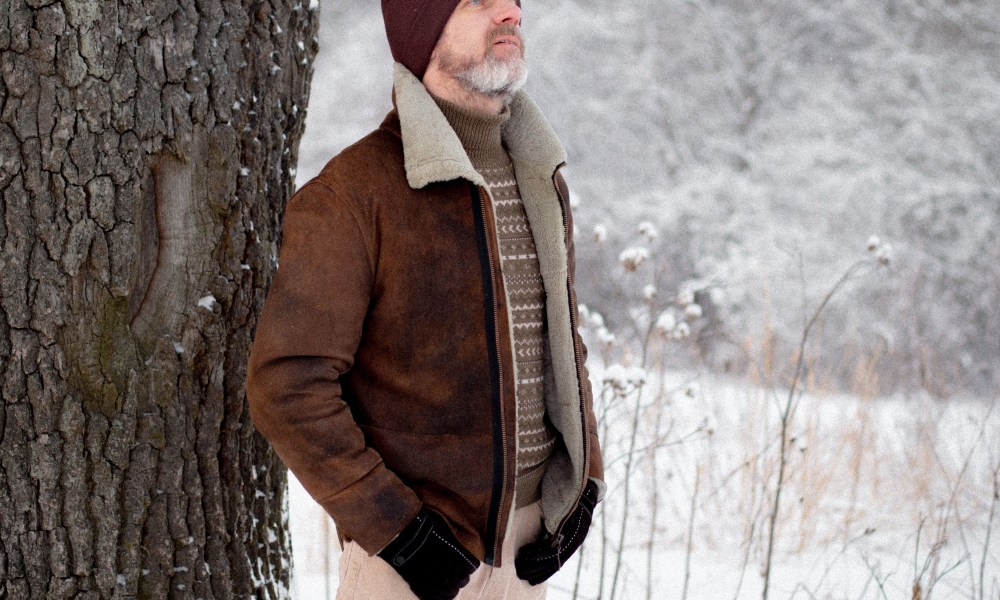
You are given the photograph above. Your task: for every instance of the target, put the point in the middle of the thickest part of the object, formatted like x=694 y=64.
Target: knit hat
x=413 y=28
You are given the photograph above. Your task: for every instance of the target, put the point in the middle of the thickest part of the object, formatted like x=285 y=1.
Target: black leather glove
x=430 y=559
x=540 y=559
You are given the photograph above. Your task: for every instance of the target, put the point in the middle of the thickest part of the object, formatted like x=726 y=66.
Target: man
x=417 y=365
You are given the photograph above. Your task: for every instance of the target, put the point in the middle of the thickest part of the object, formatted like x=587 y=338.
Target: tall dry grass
x=785 y=466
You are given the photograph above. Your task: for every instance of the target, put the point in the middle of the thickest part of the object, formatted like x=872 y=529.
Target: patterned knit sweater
x=481 y=136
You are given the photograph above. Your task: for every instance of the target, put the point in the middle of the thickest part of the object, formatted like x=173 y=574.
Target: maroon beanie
x=413 y=28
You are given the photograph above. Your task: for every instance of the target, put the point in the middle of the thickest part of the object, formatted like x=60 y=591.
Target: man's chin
x=511 y=85
x=497 y=78
x=517 y=84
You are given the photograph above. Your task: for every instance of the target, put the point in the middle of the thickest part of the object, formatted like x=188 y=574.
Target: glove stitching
x=457 y=551
x=418 y=548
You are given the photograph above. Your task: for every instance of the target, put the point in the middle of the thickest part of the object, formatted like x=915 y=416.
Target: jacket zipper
x=493 y=541
x=577 y=354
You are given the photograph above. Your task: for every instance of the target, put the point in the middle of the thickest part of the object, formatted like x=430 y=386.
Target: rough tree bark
x=146 y=154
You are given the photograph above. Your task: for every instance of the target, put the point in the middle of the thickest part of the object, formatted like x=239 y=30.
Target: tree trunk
x=147 y=150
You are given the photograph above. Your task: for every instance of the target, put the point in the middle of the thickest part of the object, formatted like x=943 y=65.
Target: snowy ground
x=878 y=494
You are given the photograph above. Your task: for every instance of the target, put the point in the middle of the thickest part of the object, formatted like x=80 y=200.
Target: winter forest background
x=787 y=232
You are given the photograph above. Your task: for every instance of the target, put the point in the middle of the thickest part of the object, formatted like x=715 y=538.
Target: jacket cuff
x=373 y=510
x=602 y=488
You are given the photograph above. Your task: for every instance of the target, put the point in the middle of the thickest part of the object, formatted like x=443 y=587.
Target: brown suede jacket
x=381 y=371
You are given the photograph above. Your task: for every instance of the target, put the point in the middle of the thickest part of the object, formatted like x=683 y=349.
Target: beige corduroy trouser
x=364 y=577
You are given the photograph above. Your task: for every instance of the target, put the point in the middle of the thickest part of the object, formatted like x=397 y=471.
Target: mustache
x=506 y=29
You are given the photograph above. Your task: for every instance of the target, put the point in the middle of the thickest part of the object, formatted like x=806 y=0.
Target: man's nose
x=508 y=12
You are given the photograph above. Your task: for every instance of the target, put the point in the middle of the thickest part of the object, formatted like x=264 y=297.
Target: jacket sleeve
x=596 y=462
x=306 y=340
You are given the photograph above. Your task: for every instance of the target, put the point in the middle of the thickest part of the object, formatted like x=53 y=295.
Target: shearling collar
x=432 y=151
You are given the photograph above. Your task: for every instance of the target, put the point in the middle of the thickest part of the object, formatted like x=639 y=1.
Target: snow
x=693 y=312
x=864 y=474
x=648 y=230
x=633 y=258
x=666 y=323
x=600 y=233
x=207 y=302
x=619 y=377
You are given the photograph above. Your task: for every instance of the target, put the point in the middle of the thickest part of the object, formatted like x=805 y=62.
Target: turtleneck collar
x=478 y=131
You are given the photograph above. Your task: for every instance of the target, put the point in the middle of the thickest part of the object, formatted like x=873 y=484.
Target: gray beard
x=491 y=76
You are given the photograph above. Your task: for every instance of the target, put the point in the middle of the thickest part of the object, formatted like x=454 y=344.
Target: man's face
x=481 y=47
